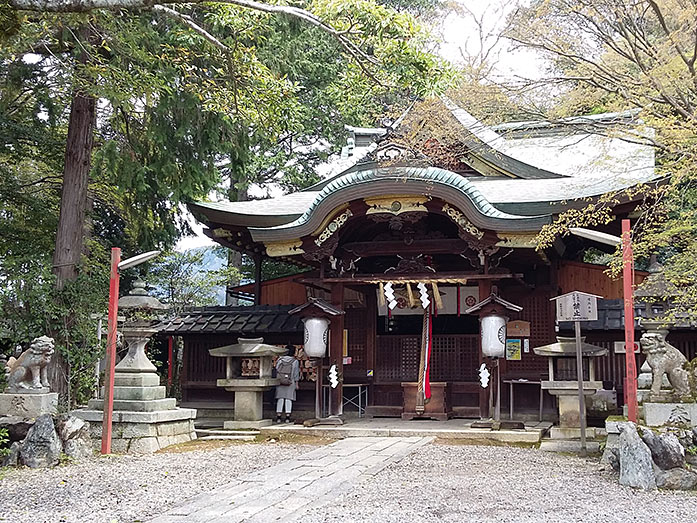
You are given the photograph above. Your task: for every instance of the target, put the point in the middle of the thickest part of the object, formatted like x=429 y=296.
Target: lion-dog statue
x=28 y=373
x=664 y=359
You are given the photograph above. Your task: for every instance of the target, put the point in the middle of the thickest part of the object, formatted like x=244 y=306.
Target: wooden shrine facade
x=398 y=217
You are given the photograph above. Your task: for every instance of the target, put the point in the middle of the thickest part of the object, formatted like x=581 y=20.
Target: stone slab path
x=284 y=492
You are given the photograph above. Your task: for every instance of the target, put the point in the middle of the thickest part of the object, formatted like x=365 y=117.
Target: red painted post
x=170 y=352
x=111 y=350
x=630 y=391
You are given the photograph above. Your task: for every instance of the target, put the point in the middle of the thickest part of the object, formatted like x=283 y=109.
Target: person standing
x=288 y=372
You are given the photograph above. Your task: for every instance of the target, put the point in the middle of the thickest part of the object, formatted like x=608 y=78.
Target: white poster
x=469 y=296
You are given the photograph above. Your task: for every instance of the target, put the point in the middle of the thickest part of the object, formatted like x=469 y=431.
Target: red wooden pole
x=170 y=351
x=111 y=350
x=630 y=385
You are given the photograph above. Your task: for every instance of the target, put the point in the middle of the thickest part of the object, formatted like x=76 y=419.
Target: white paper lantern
x=316 y=336
x=494 y=336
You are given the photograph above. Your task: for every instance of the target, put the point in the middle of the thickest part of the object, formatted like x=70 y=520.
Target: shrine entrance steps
x=454 y=429
x=284 y=492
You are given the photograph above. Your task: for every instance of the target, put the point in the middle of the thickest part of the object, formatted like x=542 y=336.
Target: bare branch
x=189 y=22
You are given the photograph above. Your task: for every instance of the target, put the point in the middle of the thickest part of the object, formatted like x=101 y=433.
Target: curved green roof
x=427 y=181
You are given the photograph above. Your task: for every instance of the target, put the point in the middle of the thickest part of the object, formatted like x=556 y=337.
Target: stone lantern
x=563 y=381
x=248 y=373
x=144 y=420
x=655 y=291
x=142 y=322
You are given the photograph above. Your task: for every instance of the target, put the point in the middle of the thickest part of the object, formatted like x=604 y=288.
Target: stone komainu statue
x=664 y=359
x=28 y=372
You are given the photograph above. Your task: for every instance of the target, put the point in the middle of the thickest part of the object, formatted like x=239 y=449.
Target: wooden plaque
x=518 y=328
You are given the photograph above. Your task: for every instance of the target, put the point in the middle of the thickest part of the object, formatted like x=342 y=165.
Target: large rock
x=636 y=465
x=42 y=446
x=676 y=479
x=69 y=426
x=666 y=450
x=17 y=427
x=12 y=459
x=79 y=447
x=75 y=436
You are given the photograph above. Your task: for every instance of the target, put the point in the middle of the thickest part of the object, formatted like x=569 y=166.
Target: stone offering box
x=241 y=361
x=562 y=381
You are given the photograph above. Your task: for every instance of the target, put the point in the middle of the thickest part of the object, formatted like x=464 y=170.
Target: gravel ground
x=484 y=484
x=129 y=488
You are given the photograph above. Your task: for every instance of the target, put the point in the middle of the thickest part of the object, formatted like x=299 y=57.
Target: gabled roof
x=319 y=303
x=550 y=171
x=494 y=298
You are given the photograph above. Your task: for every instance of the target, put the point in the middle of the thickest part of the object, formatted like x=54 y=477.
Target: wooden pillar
x=257 y=279
x=371 y=338
x=336 y=349
x=484 y=292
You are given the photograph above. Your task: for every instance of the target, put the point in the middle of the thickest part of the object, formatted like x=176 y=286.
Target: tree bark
x=78 y=155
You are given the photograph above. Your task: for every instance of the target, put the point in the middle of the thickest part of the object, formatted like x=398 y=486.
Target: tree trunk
x=72 y=223
x=78 y=155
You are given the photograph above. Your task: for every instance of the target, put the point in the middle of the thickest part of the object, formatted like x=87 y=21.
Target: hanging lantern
x=316 y=336
x=494 y=335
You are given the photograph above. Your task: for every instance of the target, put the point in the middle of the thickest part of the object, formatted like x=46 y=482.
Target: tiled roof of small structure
x=259 y=319
x=611 y=317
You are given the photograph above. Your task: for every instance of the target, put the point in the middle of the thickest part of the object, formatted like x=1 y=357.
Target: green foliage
x=178 y=119
x=4 y=442
x=611 y=55
x=179 y=280
x=30 y=306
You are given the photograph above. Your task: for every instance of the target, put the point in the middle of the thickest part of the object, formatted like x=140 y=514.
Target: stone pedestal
x=249 y=401
x=144 y=420
x=657 y=414
x=28 y=405
x=567 y=396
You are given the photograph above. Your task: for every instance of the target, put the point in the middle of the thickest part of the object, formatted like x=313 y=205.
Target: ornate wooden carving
x=462 y=222
x=416 y=264
x=332 y=227
x=325 y=250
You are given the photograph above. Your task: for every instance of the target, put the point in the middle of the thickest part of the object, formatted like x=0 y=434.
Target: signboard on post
x=577 y=306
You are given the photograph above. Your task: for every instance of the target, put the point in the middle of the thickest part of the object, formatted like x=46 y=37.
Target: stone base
x=28 y=405
x=142 y=432
x=236 y=425
x=657 y=414
x=573 y=432
x=249 y=405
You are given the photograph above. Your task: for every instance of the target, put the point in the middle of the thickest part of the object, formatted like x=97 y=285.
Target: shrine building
x=395 y=232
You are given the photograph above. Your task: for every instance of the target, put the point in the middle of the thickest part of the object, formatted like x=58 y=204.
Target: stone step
x=223 y=432
x=214 y=413
x=209 y=423
x=135 y=405
x=574 y=446
x=227 y=438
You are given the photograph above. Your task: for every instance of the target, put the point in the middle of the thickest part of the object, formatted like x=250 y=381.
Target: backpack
x=284 y=371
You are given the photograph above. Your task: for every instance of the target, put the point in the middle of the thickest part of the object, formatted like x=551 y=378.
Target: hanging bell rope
x=420 y=393
x=410 y=296
x=436 y=296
